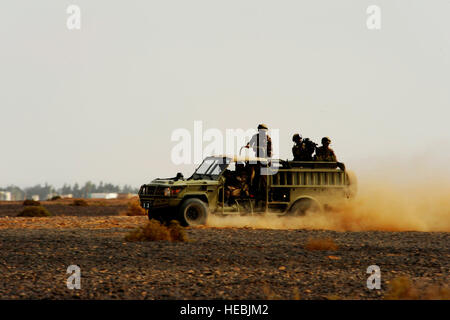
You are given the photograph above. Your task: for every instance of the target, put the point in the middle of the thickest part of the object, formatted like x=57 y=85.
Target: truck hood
x=181 y=183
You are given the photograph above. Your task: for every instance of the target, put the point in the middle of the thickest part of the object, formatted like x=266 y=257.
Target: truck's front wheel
x=193 y=212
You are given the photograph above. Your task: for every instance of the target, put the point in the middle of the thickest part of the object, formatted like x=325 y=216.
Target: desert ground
x=216 y=263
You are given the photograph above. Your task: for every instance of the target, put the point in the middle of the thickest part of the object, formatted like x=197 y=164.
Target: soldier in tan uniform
x=261 y=143
x=324 y=153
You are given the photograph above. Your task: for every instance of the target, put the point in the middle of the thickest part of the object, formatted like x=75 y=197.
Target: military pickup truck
x=225 y=185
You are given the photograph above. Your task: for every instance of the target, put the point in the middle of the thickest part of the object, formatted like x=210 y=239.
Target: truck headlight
x=175 y=190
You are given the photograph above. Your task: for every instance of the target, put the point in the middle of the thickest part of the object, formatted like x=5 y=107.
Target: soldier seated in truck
x=302 y=150
x=324 y=152
x=236 y=183
x=231 y=185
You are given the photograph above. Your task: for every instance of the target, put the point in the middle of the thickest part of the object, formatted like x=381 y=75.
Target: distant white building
x=35 y=197
x=103 y=195
x=5 y=196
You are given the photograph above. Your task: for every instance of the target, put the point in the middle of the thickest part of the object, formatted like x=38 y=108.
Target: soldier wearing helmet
x=261 y=143
x=298 y=150
x=297 y=138
x=324 y=153
x=303 y=148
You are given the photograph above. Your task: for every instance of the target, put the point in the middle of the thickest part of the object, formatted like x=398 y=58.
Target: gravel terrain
x=217 y=263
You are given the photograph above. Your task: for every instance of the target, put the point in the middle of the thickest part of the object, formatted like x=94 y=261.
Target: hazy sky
x=101 y=103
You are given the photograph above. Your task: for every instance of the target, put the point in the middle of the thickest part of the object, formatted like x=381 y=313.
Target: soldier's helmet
x=326 y=140
x=263 y=126
x=296 y=137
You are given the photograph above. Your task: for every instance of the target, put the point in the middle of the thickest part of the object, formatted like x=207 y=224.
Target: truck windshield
x=211 y=168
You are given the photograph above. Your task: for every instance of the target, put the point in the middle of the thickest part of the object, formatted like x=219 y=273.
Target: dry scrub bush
x=34 y=211
x=177 y=232
x=30 y=202
x=155 y=231
x=322 y=244
x=80 y=203
x=402 y=288
x=269 y=294
x=134 y=209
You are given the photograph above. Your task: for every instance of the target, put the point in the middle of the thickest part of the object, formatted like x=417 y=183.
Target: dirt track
x=217 y=263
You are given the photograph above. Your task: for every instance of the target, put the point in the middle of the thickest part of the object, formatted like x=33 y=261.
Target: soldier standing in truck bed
x=324 y=153
x=261 y=143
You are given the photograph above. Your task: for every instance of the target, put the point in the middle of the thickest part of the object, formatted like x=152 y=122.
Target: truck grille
x=153 y=191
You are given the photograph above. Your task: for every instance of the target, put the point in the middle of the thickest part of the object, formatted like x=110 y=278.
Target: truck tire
x=193 y=212
x=300 y=207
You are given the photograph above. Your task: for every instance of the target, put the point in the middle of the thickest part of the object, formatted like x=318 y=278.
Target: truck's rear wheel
x=302 y=206
x=193 y=212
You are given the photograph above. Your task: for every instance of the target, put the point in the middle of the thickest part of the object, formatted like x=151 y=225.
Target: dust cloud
x=416 y=203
